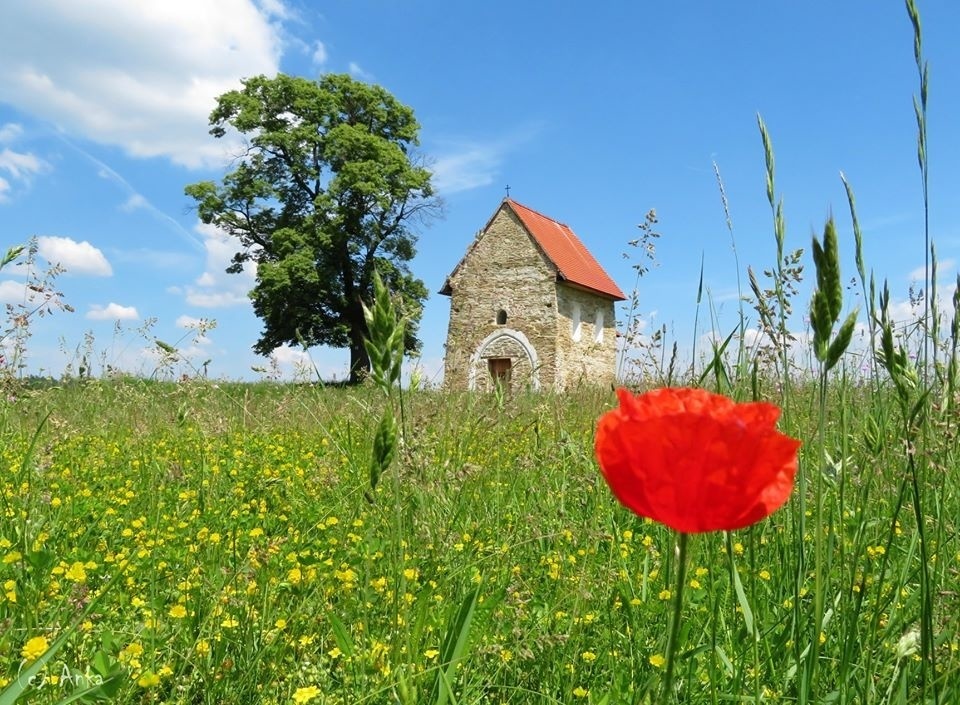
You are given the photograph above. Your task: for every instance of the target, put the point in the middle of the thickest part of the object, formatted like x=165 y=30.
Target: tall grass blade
x=454 y=647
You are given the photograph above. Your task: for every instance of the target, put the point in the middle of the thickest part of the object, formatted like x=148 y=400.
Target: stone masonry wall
x=593 y=358
x=503 y=270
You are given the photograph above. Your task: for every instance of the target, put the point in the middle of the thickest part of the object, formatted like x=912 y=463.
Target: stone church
x=530 y=308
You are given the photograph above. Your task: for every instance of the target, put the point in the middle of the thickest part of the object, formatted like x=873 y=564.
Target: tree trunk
x=359 y=360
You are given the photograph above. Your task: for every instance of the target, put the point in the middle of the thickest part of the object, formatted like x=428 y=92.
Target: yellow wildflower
x=305 y=695
x=34 y=648
x=77 y=573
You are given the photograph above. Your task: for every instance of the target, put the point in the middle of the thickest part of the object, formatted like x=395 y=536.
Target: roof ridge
x=534 y=210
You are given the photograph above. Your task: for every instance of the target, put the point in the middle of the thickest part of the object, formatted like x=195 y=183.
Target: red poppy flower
x=694 y=460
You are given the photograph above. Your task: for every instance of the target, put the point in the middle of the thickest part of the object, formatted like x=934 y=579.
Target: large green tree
x=327 y=191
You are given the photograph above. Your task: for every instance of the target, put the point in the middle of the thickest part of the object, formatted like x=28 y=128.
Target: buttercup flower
x=305 y=695
x=696 y=461
x=34 y=649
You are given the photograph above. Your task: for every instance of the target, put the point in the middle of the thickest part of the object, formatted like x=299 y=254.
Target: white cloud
x=75 y=257
x=754 y=338
x=12 y=292
x=461 y=165
x=903 y=312
x=201 y=326
x=276 y=8
x=142 y=76
x=286 y=355
x=195 y=353
x=20 y=165
x=188 y=322
x=216 y=299
x=295 y=363
x=134 y=202
x=906 y=313
x=920 y=273
x=9 y=132
x=319 y=54
x=357 y=72
x=215 y=288
x=112 y=312
x=464 y=170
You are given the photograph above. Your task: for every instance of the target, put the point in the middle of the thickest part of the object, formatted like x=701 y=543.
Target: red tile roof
x=563 y=248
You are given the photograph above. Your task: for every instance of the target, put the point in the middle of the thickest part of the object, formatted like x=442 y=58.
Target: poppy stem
x=675 y=619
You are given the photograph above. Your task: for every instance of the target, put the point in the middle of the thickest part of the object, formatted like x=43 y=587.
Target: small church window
x=598 y=326
x=501 y=317
x=575 y=323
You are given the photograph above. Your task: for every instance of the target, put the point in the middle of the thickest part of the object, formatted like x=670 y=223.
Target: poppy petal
x=694 y=460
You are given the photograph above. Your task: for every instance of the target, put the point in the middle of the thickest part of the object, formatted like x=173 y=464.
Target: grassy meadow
x=219 y=543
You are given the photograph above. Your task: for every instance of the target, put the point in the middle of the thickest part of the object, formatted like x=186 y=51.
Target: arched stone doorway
x=505 y=357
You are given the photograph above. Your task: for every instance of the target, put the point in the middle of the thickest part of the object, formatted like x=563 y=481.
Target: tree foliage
x=326 y=192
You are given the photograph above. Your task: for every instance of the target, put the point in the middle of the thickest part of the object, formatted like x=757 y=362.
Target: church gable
x=507 y=293
x=503 y=244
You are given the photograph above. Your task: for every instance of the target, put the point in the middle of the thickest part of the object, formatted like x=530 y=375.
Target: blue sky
x=593 y=114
